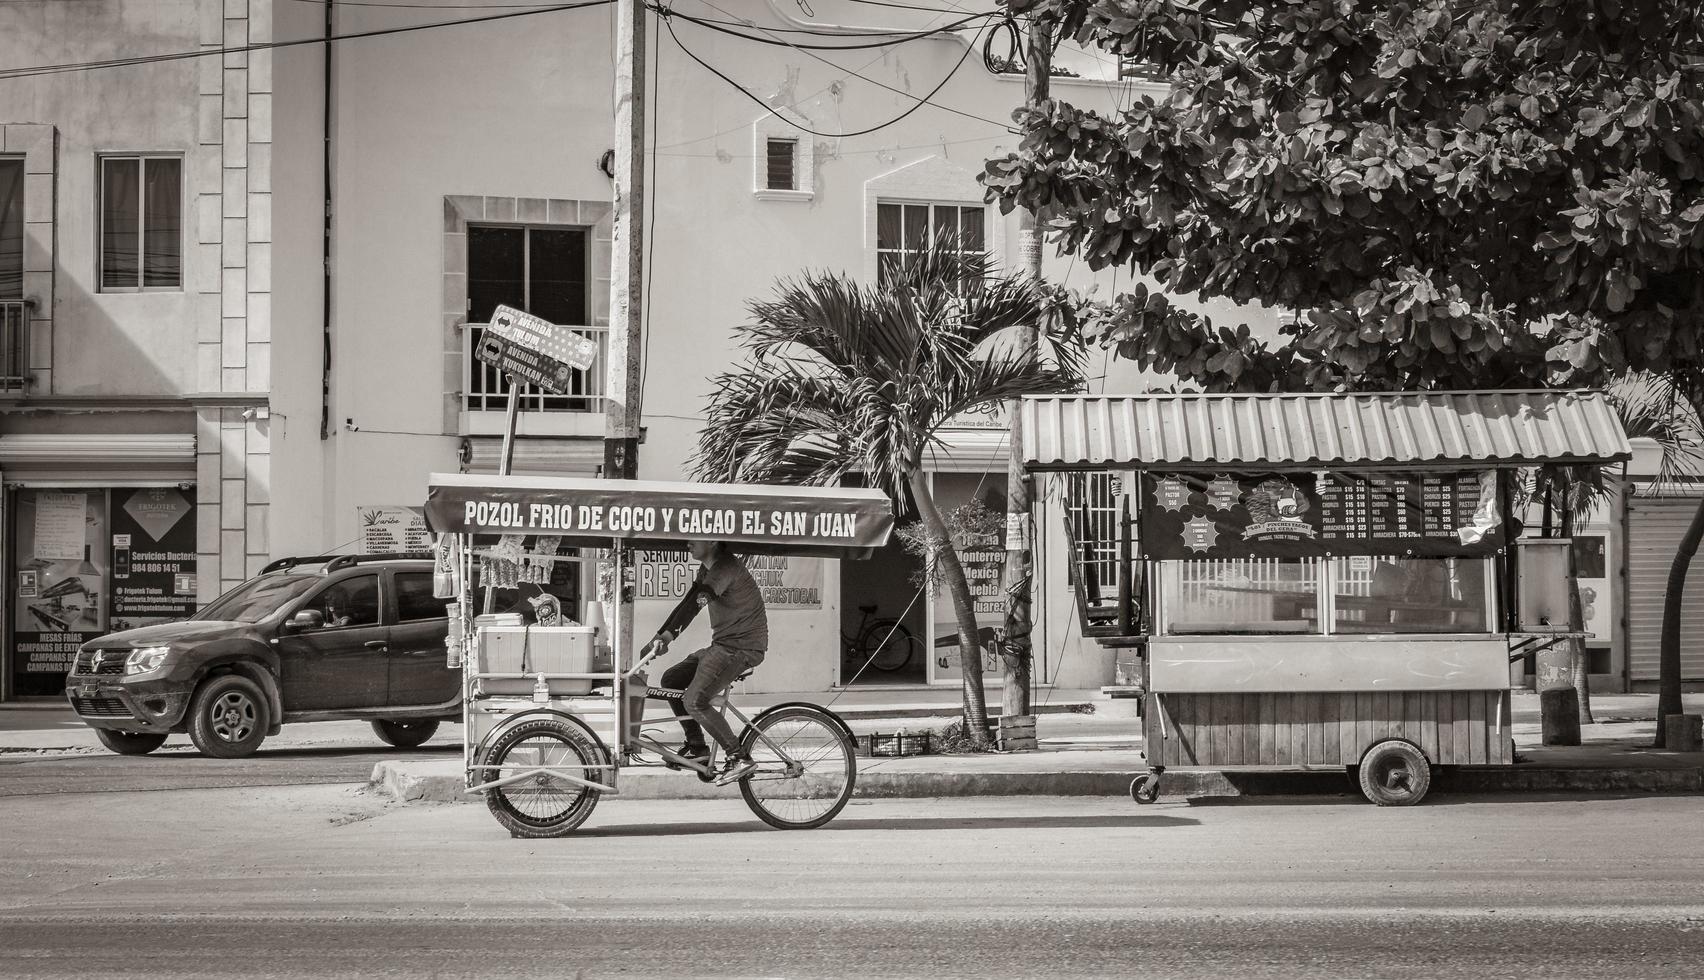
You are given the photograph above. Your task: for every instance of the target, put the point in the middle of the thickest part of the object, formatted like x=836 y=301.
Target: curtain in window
x=121 y=214
x=162 y=222
x=11 y=229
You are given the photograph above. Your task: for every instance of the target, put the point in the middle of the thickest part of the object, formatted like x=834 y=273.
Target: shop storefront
x=88 y=561
x=100 y=535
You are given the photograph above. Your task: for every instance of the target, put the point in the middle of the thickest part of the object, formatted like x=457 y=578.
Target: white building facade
x=311 y=365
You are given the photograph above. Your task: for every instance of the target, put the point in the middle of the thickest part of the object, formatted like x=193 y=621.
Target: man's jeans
x=702 y=676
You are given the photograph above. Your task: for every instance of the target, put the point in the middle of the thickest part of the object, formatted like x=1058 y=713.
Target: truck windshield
x=257 y=599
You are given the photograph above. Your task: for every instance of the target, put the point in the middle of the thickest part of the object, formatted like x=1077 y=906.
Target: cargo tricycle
x=551 y=720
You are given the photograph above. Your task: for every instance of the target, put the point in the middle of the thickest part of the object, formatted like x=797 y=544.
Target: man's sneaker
x=737 y=768
x=691 y=752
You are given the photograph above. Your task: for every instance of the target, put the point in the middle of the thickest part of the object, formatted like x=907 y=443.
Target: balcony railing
x=14 y=345
x=485 y=389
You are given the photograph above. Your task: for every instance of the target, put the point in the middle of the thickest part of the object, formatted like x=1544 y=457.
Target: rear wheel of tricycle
x=1395 y=773
x=543 y=804
x=806 y=767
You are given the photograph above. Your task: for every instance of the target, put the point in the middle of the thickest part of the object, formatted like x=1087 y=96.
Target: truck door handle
x=376 y=644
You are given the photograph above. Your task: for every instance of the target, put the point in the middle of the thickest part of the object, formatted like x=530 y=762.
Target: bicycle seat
x=744 y=675
x=867 y=610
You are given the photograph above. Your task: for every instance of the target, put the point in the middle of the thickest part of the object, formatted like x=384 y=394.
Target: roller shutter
x=1654 y=529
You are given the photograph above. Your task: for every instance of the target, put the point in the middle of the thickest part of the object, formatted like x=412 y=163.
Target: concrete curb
x=409 y=783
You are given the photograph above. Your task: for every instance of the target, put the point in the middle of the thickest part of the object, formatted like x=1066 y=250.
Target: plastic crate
x=894 y=744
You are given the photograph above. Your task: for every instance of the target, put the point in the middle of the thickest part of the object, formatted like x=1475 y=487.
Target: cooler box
x=533 y=650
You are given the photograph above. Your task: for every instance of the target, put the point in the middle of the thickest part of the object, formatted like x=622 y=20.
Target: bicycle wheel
x=806 y=766
x=543 y=805
x=888 y=645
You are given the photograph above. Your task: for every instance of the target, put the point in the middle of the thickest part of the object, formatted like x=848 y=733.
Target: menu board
x=1267 y=515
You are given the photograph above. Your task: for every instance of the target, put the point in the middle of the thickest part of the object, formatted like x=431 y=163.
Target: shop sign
x=153 y=557
x=786 y=581
x=1244 y=515
x=61 y=590
x=388 y=529
x=535 y=351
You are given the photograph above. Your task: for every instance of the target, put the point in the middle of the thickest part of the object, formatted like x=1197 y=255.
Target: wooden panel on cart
x=1325 y=729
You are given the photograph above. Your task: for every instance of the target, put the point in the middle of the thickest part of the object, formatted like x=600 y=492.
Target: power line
x=900 y=37
x=808 y=52
x=767 y=107
x=210 y=51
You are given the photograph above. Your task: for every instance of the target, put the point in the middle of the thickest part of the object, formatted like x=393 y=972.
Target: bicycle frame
x=721 y=703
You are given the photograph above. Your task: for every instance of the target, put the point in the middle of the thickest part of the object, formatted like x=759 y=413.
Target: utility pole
x=1017 y=664
x=626 y=278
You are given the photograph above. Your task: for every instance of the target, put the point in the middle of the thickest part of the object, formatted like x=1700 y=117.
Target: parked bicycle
x=882 y=643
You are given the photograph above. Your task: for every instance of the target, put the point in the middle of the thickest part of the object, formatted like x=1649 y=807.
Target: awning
x=750 y=518
x=1404 y=429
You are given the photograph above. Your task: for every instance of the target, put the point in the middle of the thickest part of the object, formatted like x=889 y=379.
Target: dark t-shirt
x=737 y=618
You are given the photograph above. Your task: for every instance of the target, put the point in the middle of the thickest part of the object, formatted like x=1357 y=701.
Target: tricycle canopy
x=835 y=522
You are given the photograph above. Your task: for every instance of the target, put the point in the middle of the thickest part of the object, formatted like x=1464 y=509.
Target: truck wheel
x=130 y=743
x=1395 y=773
x=405 y=733
x=228 y=717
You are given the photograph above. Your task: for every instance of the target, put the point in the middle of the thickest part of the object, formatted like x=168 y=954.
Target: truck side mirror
x=306 y=619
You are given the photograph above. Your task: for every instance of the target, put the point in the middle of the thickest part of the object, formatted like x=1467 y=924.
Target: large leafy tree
x=1451 y=193
x=842 y=377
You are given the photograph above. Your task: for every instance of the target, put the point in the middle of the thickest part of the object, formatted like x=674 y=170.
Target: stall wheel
x=1395 y=773
x=1145 y=788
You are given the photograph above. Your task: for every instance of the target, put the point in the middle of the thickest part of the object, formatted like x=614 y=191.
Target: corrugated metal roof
x=1421 y=428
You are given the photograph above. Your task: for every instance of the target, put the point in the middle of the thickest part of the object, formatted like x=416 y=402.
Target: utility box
x=1542 y=589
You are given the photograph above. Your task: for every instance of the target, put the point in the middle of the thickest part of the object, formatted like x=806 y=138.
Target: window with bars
x=544 y=271
x=782 y=161
x=905 y=229
x=1094 y=511
x=141 y=231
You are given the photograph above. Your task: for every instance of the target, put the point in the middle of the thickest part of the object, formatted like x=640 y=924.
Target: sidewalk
x=1099 y=754
x=1090 y=745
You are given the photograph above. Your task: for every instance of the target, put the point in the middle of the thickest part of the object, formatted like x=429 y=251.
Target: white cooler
x=534 y=650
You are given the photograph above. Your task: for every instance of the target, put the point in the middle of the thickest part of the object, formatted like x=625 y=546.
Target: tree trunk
x=1578 y=664
x=1668 y=671
x=964 y=608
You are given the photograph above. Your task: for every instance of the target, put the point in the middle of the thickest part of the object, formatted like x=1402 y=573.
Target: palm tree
x=841 y=377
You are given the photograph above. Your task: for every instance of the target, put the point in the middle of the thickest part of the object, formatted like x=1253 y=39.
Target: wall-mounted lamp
x=606 y=163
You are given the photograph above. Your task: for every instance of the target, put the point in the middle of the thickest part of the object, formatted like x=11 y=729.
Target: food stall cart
x=549 y=725
x=1324 y=579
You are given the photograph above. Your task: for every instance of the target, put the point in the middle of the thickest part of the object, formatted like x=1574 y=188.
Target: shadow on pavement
x=756 y=826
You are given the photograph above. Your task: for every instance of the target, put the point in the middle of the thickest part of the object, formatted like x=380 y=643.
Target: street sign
x=534 y=351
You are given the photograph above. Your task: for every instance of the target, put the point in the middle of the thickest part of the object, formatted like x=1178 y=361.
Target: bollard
x=1683 y=733
x=1560 y=708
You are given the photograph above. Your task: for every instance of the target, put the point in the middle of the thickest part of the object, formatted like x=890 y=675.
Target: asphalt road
x=329 y=881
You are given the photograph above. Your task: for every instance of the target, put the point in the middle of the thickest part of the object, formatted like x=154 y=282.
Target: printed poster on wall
x=983 y=556
x=388 y=529
x=153 y=556
x=60 y=591
x=787 y=581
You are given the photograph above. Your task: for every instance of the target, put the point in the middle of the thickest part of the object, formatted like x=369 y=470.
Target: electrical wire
x=901 y=37
x=210 y=51
x=807 y=51
x=768 y=108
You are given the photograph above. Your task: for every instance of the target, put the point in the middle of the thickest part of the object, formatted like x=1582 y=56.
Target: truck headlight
x=145 y=659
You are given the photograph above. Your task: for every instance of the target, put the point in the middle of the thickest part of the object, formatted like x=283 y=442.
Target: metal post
x=622 y=392
x=506 y=460
x=1019 y=578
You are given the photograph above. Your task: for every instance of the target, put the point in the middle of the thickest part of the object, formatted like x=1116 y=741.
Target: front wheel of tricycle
x=544 y=804
x=806 y=766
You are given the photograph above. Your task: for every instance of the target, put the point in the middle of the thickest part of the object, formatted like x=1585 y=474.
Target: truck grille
x=112 y=662
x=100 y=707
